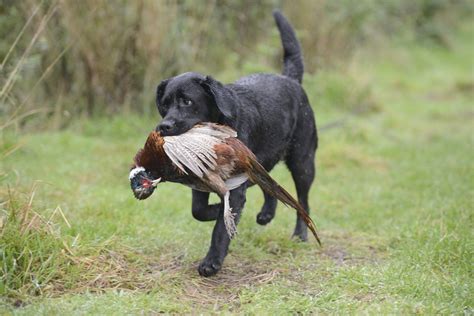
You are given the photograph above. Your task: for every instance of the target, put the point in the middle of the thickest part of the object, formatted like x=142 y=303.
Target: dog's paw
x=263 y=218
x=301 y=234
x=209 y=267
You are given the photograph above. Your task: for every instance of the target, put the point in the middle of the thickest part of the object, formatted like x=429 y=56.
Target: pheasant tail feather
x=260 y=176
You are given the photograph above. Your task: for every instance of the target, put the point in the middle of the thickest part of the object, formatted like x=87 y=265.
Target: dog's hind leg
x=303 y=171
x=267 y=213
x=300 y=161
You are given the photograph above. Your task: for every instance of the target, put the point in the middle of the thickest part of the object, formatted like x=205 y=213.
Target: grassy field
x=393 y=202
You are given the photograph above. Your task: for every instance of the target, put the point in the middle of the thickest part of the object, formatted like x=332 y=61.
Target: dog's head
x=190 y=98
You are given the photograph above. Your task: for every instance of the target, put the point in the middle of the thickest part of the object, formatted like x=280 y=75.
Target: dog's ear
x=160 y=90
x=224 y=98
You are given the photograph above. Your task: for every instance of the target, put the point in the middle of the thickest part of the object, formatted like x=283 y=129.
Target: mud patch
x=226 y=286
x=349 y=249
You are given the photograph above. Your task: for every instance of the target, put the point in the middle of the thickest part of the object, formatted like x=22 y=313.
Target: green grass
x=393 y=201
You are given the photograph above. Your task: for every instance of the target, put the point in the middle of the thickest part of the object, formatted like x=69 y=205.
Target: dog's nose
x=165 y=127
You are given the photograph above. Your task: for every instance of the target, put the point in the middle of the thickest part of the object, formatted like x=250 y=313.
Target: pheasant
x=208 y=158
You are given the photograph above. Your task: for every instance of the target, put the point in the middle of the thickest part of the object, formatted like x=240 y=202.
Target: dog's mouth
x=176 y=128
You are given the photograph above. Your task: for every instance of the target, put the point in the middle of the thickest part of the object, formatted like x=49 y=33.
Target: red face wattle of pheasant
x=146 y=183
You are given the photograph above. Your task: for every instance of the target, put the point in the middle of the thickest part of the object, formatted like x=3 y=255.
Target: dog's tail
x=292 y=58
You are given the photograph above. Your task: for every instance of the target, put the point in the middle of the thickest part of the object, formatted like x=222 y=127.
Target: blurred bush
x=96 y=57
x=330 y=31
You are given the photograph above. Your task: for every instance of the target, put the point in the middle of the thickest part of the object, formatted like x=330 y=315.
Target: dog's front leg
x=201 y=209
x=212 y=263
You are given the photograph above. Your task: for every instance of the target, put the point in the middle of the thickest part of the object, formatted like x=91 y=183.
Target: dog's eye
x=187 y=102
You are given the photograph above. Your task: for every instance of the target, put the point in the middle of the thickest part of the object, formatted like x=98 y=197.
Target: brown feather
x=260 y=176
x=153 y=157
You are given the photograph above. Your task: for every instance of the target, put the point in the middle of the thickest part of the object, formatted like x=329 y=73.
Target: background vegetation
x=391 y=83
x=68 y=58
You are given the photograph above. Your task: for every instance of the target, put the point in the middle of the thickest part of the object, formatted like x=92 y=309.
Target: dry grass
x=68 y=267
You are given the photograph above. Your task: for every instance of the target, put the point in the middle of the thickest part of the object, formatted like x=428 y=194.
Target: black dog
x=271 y=115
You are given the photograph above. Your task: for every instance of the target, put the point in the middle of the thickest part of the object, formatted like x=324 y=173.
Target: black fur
x=271 y=115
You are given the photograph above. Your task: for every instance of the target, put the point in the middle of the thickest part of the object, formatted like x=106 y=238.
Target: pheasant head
x=144 y=175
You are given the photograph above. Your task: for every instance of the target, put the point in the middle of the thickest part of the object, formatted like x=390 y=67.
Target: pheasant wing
x=194 y=149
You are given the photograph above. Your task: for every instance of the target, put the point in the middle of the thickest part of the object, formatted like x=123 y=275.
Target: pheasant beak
x=154 y=183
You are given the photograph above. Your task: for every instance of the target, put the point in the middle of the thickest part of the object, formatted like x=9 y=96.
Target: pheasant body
x=207 y=158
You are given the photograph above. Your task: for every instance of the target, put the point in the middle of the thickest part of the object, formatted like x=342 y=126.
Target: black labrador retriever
x=272 y=116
